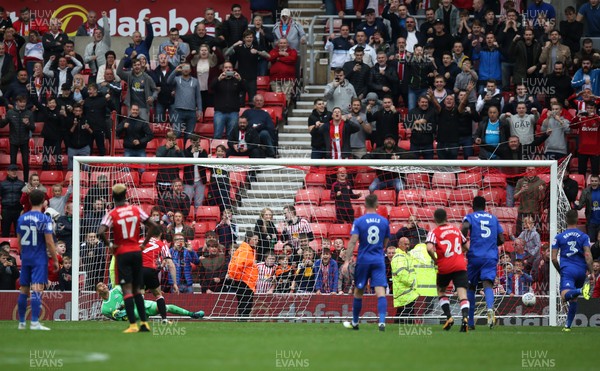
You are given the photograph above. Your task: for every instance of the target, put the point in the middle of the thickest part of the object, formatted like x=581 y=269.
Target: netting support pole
x=553 y=292
x=75 y=243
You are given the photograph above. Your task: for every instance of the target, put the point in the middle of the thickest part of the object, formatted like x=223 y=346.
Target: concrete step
x=315 y=88
x=295 y=144
x=312 y=96
x=305 y=104
x=294 y=152
x=294 y=137
x=297 y=120
x=275 y=194
x=301 y=112
x=276 y=186
x=295 y=129
x=274 y=177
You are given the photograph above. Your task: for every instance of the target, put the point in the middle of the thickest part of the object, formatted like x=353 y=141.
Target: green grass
x=259 y=346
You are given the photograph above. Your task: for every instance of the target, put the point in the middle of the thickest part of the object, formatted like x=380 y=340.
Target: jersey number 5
x=449 y=252
x=485 y=230
x=128 y=226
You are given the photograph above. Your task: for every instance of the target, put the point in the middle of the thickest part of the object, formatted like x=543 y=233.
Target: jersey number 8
x=373 y=235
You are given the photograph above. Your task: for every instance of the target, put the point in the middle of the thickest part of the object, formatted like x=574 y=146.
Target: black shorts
x=129 y=268
x=150 y=278
x=459 y=278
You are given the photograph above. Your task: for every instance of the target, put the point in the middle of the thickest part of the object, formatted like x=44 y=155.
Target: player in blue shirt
x=575 y=257
x=372 y=231
x=35 y=236
x=485 y=234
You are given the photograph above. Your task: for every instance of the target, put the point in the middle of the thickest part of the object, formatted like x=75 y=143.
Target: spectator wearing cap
x=326 y=270
x=288 y=28
x=441 y=40
x=140 y=45
x=371 y=24
x=21 y=124
x=449 y=15
x=10 y=195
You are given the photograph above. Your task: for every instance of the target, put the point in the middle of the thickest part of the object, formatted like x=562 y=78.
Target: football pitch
x=207 y=345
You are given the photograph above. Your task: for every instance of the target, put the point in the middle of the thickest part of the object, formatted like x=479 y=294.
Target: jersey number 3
x=128 y=226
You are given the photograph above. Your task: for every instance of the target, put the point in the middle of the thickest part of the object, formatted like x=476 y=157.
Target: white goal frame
x=79 y=160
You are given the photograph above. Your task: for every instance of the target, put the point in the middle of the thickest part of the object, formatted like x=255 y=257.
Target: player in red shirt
x=154 y=257
x=588 y=123
x=445 y=245
x=126 y=221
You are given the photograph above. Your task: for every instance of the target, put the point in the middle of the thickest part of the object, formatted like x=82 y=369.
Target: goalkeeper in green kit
x=113 y=305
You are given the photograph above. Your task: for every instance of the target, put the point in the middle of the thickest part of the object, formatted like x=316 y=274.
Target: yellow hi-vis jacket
x=425 y=271
x=404 y=279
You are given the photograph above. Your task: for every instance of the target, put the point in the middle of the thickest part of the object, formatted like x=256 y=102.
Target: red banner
x=126 y=17
x=57 y=306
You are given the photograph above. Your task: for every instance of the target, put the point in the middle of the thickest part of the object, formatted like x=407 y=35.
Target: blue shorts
x=481 y=270
x=33 y=273
x=375 y=271
x=572 y=280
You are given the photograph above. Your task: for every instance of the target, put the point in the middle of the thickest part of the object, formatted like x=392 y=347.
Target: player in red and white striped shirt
x=445 y=246
x=154 y=257
x=266 y=275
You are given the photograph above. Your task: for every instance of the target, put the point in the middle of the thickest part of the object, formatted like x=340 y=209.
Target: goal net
x=301 y=212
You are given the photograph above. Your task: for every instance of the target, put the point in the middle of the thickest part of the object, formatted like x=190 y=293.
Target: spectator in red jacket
x=283 y=68
x=27 y=22
x=588 y=123
x=34 y=183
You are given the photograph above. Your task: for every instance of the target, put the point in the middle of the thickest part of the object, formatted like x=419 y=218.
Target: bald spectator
x=210 y=23
x=261 y=121
x=140 y=45
x=89 y=27
x=54 y=40
x=283 y=68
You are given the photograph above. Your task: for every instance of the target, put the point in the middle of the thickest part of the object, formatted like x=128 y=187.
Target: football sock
x=571 y=313
x=22 y=303
x=162 y=307
x=445 y=304
x=489 y=297
x=174 y=309
x=572 y=294
x=356 y=309
x=36 y=305
x=139 y=303
x=464 y=308
x=382 y=308
x=130 y=307
x=471 y=297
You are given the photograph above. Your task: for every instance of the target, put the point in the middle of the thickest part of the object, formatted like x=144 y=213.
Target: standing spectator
x=464 y=78
x=518 y=282
x=305 y=278
x=233 y=28
x=318 y=117
x=183 y=256
x=421 y=122
x=244 y=141
x=93 y=261
x=227 y=231
x=387 y=151
x=10 y=193
x=166 y=175
x=342 y=192
x=210 y=23
x=530 y=192
x=262 y=123
x=448 y=128
x=58 y=200
x=491 y=133
x=554 y=51
x=175 y=49
x=230 y=88
x=188 y=101
x=357 y=73
x=111 y=89
x=218 y=188
x=21 y=124
x=5 y=20
x=560 y=83
x=13 y=43
x=244 y=273
x=212 y=269
x=54 y=40
x=588 y=124
x=89 y=27
x=263 y=42
x=175 y=200
x=177 y=226
x=141 y=88
x=490 y=61
x=79 y=135
x=522 y=96
x=449 y=14
x=62 y=73
x=95 y=52
x=371 y=24
x=556 y=126
x=589 y=51
x=135 y=133
x=9 y=273
x=586 y=78
x=522 y=125
x=200 y=37
x=510 y=29
x=590 y=200
x=383 y=78
x=336 y=135
x=287 y=28
x=140 y=45
x=283 y=69
x=572 y=29
x=350 y=8
x=326 y=271
x=530 y=239
x=194 y=176
x=65 y=275
x=526 y=51
x=53 y=133
x=339 y=93
x=370 y=55
x=448 y=70
x=110 y=57
x=7 y=69
x=358 y=139
x=267 y=234
x=339 y=47
x=420 y=70
x=18 y=88
x=248 y=59
x=34 y=52
x=64 y=228
x=25 y=23
x=590 y=12
x=386 y=121
x=164 y=100
x=294 y=226
x=95 y=109
x=206 y=68
x=540 y=272
x=33 y=184
x=440 y=40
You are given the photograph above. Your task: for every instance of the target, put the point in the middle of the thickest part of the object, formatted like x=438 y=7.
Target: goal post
x=291 y=175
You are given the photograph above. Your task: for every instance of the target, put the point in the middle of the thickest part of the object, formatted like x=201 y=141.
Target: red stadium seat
x=580 y=179
x=309 y=196
x=13 y=241
x=509 y=229
x=386 y=197
x=119 y=149
x=147 y=208
x=215 y=143
x=4 y=144
x=238 y=178
x=339 y=230
x=494 y=181
x=315 y=180
x=200 y=228
x=401 y=213
x=504 y=214
x=275 y=99
x=395 y=227
x=160 y=129
x=469 y=180
x=209 y=114
x=263 y=83
x=152 y=146
x=324 y=214
x=38 y=128
x=457 y=213
x=127 y=177
x=404 y=144
x=435 y=197
x=410 y=197
x=305 y=211
x=462 y=197
x=544 y=177
x=50 y=178
x=361 y=200
x=417 y=180
x=148 y=179
x=424 y=214
x=359 y=210
x=443 y=180
x=276 y=114
x=205 y=129
x=494 y=196
x=384 y=210
x=142 y=195
x=36 y=144
x=320 y=230
x=364 y=179
x=325 y=196
x=208 y=213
